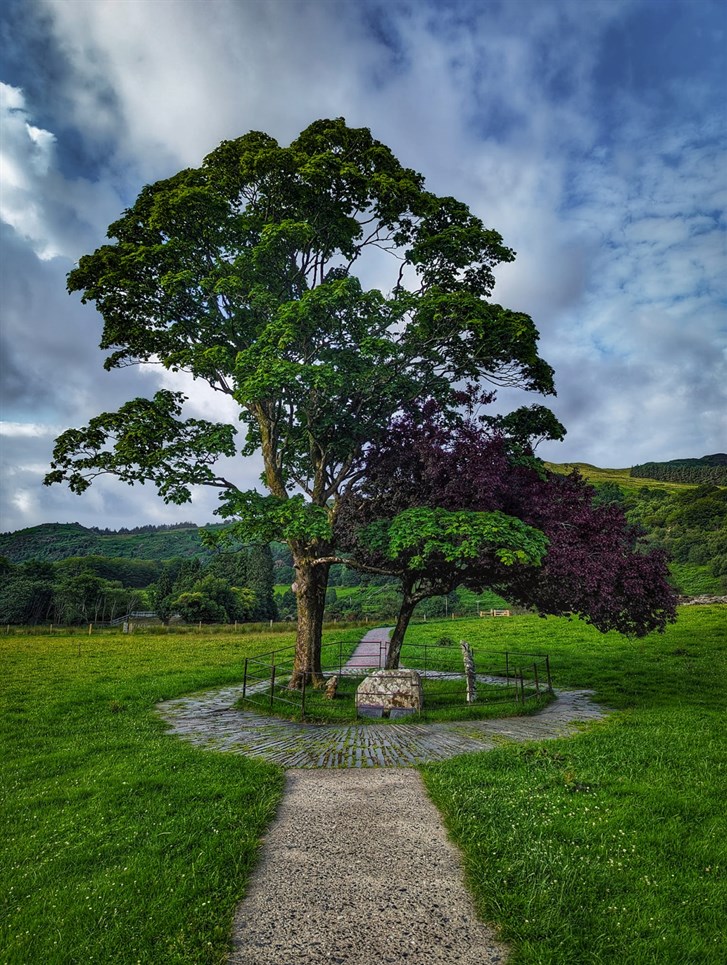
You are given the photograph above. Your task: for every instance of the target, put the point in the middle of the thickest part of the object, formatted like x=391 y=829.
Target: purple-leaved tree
x=443 y=504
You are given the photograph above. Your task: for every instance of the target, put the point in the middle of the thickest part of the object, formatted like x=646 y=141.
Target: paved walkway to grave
x=357 y=868
x=371 y=651
x=212 y=721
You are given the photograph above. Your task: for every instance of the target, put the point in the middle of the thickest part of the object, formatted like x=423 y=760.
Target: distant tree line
x=229 y=587
x=40 y=592
x=707 y=470
x=149 y=528
x=690 y=525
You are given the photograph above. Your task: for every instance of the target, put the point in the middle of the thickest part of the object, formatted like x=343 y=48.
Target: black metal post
x=537 y=682
x=272 y=685
x=244 y=680
x=302 y=703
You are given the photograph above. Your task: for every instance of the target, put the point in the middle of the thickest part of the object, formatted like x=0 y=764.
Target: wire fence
x=266 y=677
x=498 y=676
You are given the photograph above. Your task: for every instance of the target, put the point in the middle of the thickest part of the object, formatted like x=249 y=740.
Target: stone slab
x=390 y=690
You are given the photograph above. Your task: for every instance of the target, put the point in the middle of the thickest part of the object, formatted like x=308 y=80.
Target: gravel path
x=357 y=869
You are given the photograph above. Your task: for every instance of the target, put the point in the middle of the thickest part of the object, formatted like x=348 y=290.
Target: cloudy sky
x=590 y=133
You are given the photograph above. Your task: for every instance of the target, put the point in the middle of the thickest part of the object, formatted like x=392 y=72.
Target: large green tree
x=247 y=273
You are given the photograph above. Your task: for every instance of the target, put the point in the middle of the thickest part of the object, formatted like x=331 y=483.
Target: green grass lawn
x=119 y=842
x=610 y=846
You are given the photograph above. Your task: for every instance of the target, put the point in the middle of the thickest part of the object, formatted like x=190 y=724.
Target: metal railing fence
x=507 y=675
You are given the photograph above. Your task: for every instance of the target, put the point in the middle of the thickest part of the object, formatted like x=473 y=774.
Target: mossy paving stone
x=212 y=721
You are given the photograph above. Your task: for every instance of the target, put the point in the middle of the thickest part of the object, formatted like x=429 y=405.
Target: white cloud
x=53 y=214
x=25 y=156
x=26 y=430
x=164 y=82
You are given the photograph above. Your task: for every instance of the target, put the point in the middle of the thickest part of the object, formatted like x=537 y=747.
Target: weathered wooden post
x=469 y=670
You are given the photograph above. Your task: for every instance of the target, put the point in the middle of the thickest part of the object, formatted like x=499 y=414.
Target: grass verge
x=609 y=846
x=118 y=842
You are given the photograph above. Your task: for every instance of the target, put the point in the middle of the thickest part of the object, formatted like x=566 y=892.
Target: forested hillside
x=709 y=470
x=57 y=541
x=688 y=521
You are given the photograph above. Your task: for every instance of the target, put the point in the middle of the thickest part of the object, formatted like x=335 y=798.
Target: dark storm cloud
x=52 y=366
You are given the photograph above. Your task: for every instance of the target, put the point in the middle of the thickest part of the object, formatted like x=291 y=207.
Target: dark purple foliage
x=594 y=567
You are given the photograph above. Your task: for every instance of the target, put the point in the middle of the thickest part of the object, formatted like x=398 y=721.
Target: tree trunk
x=397 y=637
x=312 y=582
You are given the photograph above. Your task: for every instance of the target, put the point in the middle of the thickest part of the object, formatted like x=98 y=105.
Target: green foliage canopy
x=242 y=273
x=423 y=537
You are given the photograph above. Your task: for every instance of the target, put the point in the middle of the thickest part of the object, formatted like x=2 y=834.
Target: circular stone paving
x=211 y=720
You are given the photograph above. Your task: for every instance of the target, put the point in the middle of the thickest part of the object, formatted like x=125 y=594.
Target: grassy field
x=122 y=844
x=695 y=580
x=610 y=846
x=622 y=477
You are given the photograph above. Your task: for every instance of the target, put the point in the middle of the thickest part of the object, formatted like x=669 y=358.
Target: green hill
x=58 y=541
x=708 y=470
x=621 y=477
